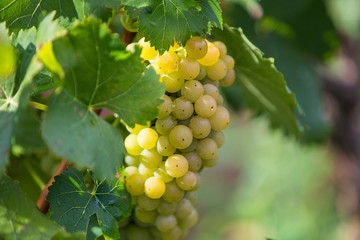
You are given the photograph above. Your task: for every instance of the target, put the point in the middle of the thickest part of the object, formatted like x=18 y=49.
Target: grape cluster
x=165 y=158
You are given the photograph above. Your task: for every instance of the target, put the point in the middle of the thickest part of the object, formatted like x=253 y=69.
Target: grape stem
x=39 y=106
x=127 y=36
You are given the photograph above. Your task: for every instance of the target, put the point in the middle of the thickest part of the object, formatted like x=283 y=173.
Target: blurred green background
x=271 y=186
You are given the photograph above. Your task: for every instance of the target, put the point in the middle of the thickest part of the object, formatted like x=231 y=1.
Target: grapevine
x=110 y=111
x=165 y=157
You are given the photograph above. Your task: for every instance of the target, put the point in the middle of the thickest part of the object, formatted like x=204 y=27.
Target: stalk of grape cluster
x=164 y=159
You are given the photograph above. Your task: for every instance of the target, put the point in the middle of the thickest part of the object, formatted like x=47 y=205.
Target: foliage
x=108 y=202
x=64 y=67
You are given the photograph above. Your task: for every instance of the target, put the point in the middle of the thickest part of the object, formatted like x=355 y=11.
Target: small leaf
x=22 y=220
x=264 y=87
x=163 y=22
x=109 y=202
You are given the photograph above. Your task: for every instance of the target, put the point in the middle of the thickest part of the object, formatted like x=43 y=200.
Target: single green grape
x=164 y=147
x=229 y=62
x=220 y=120
x=145 y=216
x=180 y=136
x=130 y=170
x=165 y=107
x=147 y=203
x=189 y=69
x=135 y=184
x=194 y=161
x=165 y=125
x=190 y=220
x=165 y=208
x=150 y=158
x=184 y=208
x=131 y=160
x=173 y=193
x=173 y=82
x=210 y=162
x=176 y=165
x=205 y=106
x=211 y=90
x=187 y=182
x=145 y=171
x=220 y=100
x=182 y=108
x=191 y=196
x=132 y=146
x=147 y=138
x=206 y=148
x=154 y=187
x=174 y=234
x=165 y=223
x=200 y=127
x=229 y=79
x=192 y=90
x=196 y=47
x=217 y=71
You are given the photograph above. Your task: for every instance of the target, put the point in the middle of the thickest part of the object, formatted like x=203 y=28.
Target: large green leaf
x=299 y=71
x=16 y=116
x=80 y=136
x=109 y=202
x=20 y=219
x=162 y=22
x=21 y=14
x=95 y=7
x=97 y=73
x=262 y=84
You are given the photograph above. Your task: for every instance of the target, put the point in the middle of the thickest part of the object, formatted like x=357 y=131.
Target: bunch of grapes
x=165 y=158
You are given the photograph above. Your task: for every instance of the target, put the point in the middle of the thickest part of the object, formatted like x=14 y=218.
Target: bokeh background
x=268 y=185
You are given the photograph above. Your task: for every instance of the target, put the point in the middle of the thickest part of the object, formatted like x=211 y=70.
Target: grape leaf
x=6 y=125
x=20 y=219
x=21 y=14
x=15 y=114
x=162 y=22
x=74 y=132
x=263 y=85
x=98 y=73
x=95 y=7
x=73 y=205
